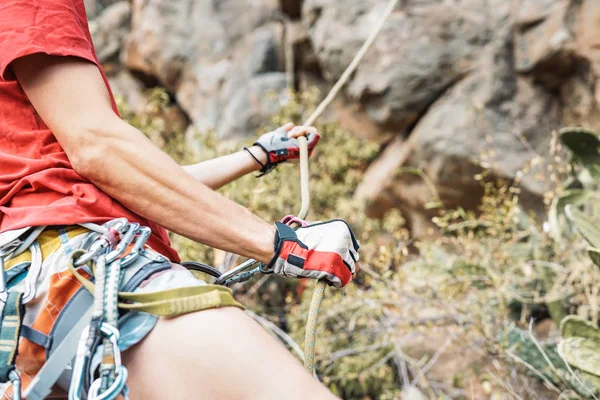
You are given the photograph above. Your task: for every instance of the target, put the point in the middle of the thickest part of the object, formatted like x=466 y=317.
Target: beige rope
x=315 y=305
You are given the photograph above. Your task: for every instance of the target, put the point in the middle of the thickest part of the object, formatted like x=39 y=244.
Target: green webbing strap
x=167 y=303
x=10 y=328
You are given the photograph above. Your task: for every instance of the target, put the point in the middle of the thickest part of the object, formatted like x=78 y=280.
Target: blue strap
x=64 y=239
x=10 y=328
x=35 y=336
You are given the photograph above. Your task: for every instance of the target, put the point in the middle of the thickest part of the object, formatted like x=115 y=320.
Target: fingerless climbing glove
x=279 y=147
x=324 y=250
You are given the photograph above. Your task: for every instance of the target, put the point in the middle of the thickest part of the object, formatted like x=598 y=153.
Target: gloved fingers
x=284 y=130
x=301 y=130
x=313 y=139
x=356 y=269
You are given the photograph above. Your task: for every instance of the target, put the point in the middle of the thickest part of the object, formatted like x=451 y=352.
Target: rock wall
x=449 y=81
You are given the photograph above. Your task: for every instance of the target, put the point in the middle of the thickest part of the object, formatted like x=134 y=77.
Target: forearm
x=72 y=99
x=220 y=171
x=125 y=164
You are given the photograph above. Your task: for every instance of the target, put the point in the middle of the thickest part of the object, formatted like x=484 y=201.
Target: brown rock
x=421 y=51
x=540 y=71
x=109 y=29
x=491 y=115
x=212 y=56
x=124 y=84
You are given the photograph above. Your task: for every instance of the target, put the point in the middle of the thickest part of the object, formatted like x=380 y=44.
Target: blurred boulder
x=247 y=107
x=493 y=117
x=537 y=72
x=423 y=50
x=110 y=28
x=292 y=8
x=557 y=43
x=131 y=89
x=214 y=56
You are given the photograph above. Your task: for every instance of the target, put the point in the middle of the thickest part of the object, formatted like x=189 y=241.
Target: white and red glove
x=324 y=250
x=280 y=145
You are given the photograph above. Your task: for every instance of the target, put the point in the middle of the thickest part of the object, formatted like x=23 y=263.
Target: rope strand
x=313 y=315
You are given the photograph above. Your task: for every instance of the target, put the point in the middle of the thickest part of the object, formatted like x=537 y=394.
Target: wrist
x=267 y=247
x=259 y=153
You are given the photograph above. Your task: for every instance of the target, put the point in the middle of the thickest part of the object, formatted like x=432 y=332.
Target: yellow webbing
x=49 y=242
x=167 y=303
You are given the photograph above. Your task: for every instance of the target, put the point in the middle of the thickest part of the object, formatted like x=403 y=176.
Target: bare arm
x=220 y=171
x=70 y=96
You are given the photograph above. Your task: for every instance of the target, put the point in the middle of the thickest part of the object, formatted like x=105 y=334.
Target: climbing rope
x=315 y=305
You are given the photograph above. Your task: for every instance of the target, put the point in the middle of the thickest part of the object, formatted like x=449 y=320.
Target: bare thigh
x=216 y=354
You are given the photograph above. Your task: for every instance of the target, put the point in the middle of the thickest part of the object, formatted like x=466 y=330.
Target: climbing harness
x=87 y=359
x=82 y=348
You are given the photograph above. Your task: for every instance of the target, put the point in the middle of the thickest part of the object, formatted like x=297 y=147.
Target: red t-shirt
x=38 y=186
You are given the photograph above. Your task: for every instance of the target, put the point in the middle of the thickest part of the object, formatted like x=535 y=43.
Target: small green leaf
x=581 y=353
x=575 y=326
x=556 y=214
x=584 y=226
x=594 y=254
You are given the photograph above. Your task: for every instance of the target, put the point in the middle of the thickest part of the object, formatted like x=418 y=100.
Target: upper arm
x=46 y=46
x=68 y=93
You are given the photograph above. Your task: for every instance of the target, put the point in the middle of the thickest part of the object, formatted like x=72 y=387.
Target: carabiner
x=112 y=333
x=3 y=288
x=119 y=385
x=15 y=382
x=113 y=391
x=292 y=219
x=125 y=241
x=81 y=360
x=241 y=277
x=108 y=239
x=229 y=274
x=138 y=247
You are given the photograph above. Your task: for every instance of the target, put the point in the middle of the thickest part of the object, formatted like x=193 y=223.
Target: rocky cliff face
x=450 y=81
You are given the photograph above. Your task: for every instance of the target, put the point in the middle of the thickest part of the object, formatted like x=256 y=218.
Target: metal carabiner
x=120 y=383
x=229 y=274
x=119 y=386
x=242 y=277
x=117 y=224
x=110 y=238
x=3 y=284
x=15 y=382
x=138 y=247
x=292 y=219
x=112 y=334
x=81 y=360
x=125 y=241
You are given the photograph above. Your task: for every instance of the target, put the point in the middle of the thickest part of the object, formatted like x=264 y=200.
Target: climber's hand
x=324 y=250
x=282 y=144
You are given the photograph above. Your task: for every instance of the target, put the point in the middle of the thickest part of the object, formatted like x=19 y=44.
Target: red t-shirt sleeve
x=54 y=27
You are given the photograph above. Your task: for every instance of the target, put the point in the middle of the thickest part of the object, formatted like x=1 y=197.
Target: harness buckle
x=15 y=382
